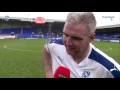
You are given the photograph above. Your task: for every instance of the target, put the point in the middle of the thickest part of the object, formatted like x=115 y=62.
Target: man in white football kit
x=76 y=52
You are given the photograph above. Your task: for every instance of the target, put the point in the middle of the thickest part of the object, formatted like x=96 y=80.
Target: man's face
x=75 y=38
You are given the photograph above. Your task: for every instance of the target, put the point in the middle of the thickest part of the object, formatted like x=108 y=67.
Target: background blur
x=22 y=39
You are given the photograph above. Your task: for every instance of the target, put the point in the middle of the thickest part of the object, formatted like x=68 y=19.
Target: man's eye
x=76 y=38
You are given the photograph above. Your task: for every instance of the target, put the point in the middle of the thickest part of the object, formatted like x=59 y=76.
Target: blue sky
x=103 y=18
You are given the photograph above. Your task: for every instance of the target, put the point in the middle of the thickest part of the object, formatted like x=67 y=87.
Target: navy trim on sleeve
x=57 y=41
x=105 y=62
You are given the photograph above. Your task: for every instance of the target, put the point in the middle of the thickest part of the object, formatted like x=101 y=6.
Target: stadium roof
x=32 y=19
x=55 y=20
x=108 y=26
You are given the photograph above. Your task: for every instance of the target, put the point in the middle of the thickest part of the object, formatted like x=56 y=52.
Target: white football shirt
x=95 y=65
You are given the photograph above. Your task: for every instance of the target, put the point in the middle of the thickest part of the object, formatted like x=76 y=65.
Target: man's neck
x=81 y=56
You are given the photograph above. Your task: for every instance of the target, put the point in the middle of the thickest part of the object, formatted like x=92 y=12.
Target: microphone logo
x=62 y=76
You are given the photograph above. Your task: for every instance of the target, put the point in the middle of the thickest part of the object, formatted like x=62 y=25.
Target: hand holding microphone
x=62 y=72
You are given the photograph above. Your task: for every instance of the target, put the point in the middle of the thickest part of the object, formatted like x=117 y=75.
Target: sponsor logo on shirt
x=60 y=59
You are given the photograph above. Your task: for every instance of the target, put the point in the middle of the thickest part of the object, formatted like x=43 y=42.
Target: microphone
x=62 y=72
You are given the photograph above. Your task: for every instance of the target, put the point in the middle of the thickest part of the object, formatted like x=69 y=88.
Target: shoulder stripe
x=57 y=41
x=105 y=62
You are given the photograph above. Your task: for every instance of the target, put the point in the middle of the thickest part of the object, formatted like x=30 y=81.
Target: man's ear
x=92 y=37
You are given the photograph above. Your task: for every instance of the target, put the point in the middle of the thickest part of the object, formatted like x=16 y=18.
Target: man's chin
x=70 y=52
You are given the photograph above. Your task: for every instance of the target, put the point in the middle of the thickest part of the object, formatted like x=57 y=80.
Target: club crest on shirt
x=85 y=74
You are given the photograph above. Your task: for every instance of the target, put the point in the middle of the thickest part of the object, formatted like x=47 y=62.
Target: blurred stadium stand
x=27 y=29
